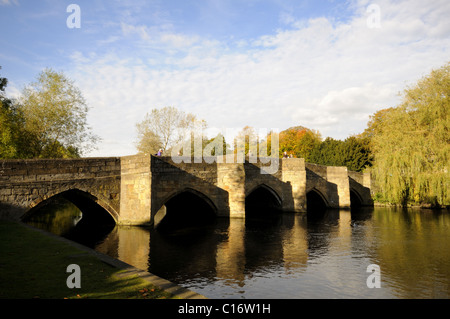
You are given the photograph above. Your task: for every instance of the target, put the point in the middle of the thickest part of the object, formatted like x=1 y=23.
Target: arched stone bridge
x=134 y=190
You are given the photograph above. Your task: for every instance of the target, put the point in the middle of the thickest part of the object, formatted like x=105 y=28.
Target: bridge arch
x=92 y=208
x=262 y=199
x=356 y=200
x=315 y=201
x=185 y=207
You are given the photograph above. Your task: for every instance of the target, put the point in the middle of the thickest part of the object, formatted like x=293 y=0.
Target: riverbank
x=34 y=265
x=412 y=206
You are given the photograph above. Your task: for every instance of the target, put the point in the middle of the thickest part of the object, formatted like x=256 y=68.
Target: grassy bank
x=34 y=265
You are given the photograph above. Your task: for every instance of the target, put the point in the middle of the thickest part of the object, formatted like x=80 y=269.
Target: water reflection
x=414 y=252
x=294 y=255
x=58 y=216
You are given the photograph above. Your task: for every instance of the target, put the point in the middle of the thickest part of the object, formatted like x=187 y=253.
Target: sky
x=326 y=65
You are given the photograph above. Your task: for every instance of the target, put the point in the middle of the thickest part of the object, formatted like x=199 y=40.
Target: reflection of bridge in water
x=143 y=189
x=233 y=250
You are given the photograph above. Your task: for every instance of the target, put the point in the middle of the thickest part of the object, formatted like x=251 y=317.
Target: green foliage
x=354 y=153
x=411 y=144
x=12 y=134
x=7 y=145
x=300 y=142
x=216 y=143
x=47 y=121
x=357 y=154
x=327 y=152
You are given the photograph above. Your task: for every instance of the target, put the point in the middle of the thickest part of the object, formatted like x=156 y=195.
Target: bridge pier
x=293 y=173
x=135 y=190
x=231 y=178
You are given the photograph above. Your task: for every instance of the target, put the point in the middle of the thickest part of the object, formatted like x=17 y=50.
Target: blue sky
x=327 y=65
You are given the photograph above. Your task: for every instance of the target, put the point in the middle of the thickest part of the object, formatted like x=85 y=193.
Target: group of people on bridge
x=285 y=155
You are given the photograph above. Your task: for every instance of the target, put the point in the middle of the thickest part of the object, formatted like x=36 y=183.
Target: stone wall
x=26 y=183
x=337 y=175
x=288 y=181
x=135 y=190
x=293 y=172
x=331 y=182
x=361 y=184
x=170 y=178
x=228 y=184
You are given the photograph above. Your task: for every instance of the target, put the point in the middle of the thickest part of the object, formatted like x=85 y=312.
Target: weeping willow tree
x=411 y=144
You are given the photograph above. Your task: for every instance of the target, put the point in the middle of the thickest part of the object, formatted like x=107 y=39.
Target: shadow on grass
x=35 y=266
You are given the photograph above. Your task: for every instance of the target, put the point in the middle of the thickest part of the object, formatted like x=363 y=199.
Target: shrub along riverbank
x=34 y=265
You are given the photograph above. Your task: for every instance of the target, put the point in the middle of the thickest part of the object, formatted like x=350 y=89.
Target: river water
x=284 y=257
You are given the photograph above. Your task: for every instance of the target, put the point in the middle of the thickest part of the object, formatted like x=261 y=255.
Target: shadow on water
x=63 y=218
x=262 y=209
x=186 y=213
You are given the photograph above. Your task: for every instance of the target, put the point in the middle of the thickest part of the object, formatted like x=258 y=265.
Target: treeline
x=164 y=128
x=354 y=152
x=48 y=120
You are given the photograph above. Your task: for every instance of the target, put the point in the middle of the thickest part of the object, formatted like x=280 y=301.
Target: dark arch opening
x=185 y=210
x=73 y=214
x=93 y=213
x=355 y=200
x=315 y=203
x=262 y=201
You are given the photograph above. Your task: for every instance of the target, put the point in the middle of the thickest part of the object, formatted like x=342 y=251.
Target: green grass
x=33 y=265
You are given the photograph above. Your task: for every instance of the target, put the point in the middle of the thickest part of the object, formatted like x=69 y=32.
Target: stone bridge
x=143 y=189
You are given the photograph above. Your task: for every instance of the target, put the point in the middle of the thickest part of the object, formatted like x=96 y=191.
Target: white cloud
x=160 y=35
x=9 y=2
x=321 y=74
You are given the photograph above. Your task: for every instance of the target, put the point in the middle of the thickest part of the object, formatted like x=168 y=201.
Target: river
x=288 y=256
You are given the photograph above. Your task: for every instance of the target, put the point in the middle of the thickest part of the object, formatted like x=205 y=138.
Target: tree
x=164 y=128
x=329 y=152
x=247 y=141
x=411 y=143
x=375 y=124
x=357 y=155
x=298 y=141
x=55 y=118
x=214 y=144
x=354 y=153
x=4 y=101
x=14 y=139
x=7 y=147
x=148 y=141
